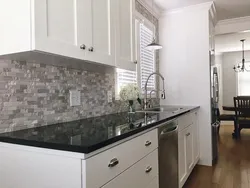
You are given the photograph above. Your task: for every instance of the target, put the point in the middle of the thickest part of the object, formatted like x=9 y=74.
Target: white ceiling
x=226 y=9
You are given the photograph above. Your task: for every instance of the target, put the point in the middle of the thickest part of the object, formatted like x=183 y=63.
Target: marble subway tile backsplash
x=33 y=94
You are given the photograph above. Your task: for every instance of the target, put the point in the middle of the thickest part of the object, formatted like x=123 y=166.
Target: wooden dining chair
x=242 y=113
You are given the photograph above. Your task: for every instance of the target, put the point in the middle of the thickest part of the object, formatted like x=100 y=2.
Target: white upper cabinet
x=125 y=35
x=100 y=39
x=82 y=29
x=55 y=27
x=99 y=31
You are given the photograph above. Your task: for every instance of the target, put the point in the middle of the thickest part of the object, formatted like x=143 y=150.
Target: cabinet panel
x=125 y=35
x=139 y=175
x=55 y=27
x=196 y=146
x=102 y=32
x=182 y=157
x=189 y=148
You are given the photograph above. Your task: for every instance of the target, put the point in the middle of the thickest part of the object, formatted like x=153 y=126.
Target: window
x=147 y=57
x=146 y=60
x=244 y=83
x=125 y=77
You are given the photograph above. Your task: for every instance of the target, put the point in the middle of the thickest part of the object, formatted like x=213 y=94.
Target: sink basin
x=161 y=109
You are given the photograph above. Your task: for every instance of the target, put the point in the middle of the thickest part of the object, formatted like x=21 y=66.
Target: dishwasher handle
x=169 y=131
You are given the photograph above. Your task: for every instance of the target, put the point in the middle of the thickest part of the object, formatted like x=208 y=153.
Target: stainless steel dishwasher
x=168 y=155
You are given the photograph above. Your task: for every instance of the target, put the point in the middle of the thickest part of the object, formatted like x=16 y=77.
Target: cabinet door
x=196 y=147
x=101 y=47
x=54 y=27
x=125 y=35
x=189 y=148
x=182 y=157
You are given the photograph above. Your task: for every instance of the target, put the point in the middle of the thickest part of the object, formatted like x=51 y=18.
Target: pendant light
x=154 y=45
x=241 y=67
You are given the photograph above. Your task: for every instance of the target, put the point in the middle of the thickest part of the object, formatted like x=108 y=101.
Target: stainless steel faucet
x=163 y=95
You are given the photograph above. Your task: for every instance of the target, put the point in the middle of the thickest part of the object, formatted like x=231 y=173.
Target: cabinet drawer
x=140 y=175
x=185 y=120
x=154 y=183
x=114 y=161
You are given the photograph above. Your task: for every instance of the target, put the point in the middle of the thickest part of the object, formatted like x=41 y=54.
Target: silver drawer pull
x=113 y=162
x=188 y=134
x=148 y=169
x=148 y=143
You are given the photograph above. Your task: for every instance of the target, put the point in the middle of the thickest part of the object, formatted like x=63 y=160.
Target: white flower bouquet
x=130 y=92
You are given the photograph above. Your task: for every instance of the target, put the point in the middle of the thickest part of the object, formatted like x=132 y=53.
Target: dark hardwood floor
x=233 y=167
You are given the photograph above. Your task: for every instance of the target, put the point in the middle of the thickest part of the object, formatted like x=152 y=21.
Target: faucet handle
x=163 y=94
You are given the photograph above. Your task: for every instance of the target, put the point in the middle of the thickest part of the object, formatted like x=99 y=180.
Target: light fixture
x=153 y=45
x=241 y=67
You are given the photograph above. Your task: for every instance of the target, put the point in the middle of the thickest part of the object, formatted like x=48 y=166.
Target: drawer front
x=140 y=175
x=154 y=183
x=112 y=162
x=185 y=120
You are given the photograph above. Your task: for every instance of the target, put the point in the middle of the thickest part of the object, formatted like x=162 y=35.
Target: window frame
x=138 y=19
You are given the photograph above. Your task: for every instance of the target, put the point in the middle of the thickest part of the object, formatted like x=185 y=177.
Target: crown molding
x=234 y=20
x=202 y=6
x=156 y=12
x=233 y=25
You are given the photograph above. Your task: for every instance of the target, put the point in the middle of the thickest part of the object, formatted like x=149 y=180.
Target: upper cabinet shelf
x=90 y=30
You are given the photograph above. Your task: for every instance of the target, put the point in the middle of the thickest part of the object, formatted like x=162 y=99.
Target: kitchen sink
x=161 y=109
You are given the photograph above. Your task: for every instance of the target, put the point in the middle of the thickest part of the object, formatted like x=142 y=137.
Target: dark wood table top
x=228 y=108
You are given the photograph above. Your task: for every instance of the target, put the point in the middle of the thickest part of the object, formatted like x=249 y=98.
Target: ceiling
x=226 y=9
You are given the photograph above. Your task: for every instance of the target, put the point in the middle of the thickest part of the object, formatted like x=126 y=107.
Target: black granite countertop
x=88 y=135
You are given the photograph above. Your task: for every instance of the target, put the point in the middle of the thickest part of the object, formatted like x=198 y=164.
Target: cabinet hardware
x=113 y=162
x=188 y=134
x=148 y=169
x=83 y=47
x=135 y=62
x=148 y=143
x=91 y=49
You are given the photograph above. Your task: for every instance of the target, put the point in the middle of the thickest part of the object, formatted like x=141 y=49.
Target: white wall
x=185 y=66
x=229 y=76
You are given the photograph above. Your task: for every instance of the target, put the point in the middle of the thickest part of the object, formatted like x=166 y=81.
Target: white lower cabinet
x=140 y=175
x=154 y=183
x=188 y=146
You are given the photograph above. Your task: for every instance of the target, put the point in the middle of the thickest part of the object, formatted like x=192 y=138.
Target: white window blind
x=125 y=77
x=244 y=83
x=147 y=57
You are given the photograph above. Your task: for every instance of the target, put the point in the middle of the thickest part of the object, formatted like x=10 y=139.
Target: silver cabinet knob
x=91 y=49
x=113 y=162
x=148 y=143
x=188 y=134
x=148 y=169
x=83 y=47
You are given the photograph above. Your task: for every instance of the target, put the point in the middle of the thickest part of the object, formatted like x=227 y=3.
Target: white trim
x=234 y=20
x=234 y=25
x=201 y=6
x=157 y=10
